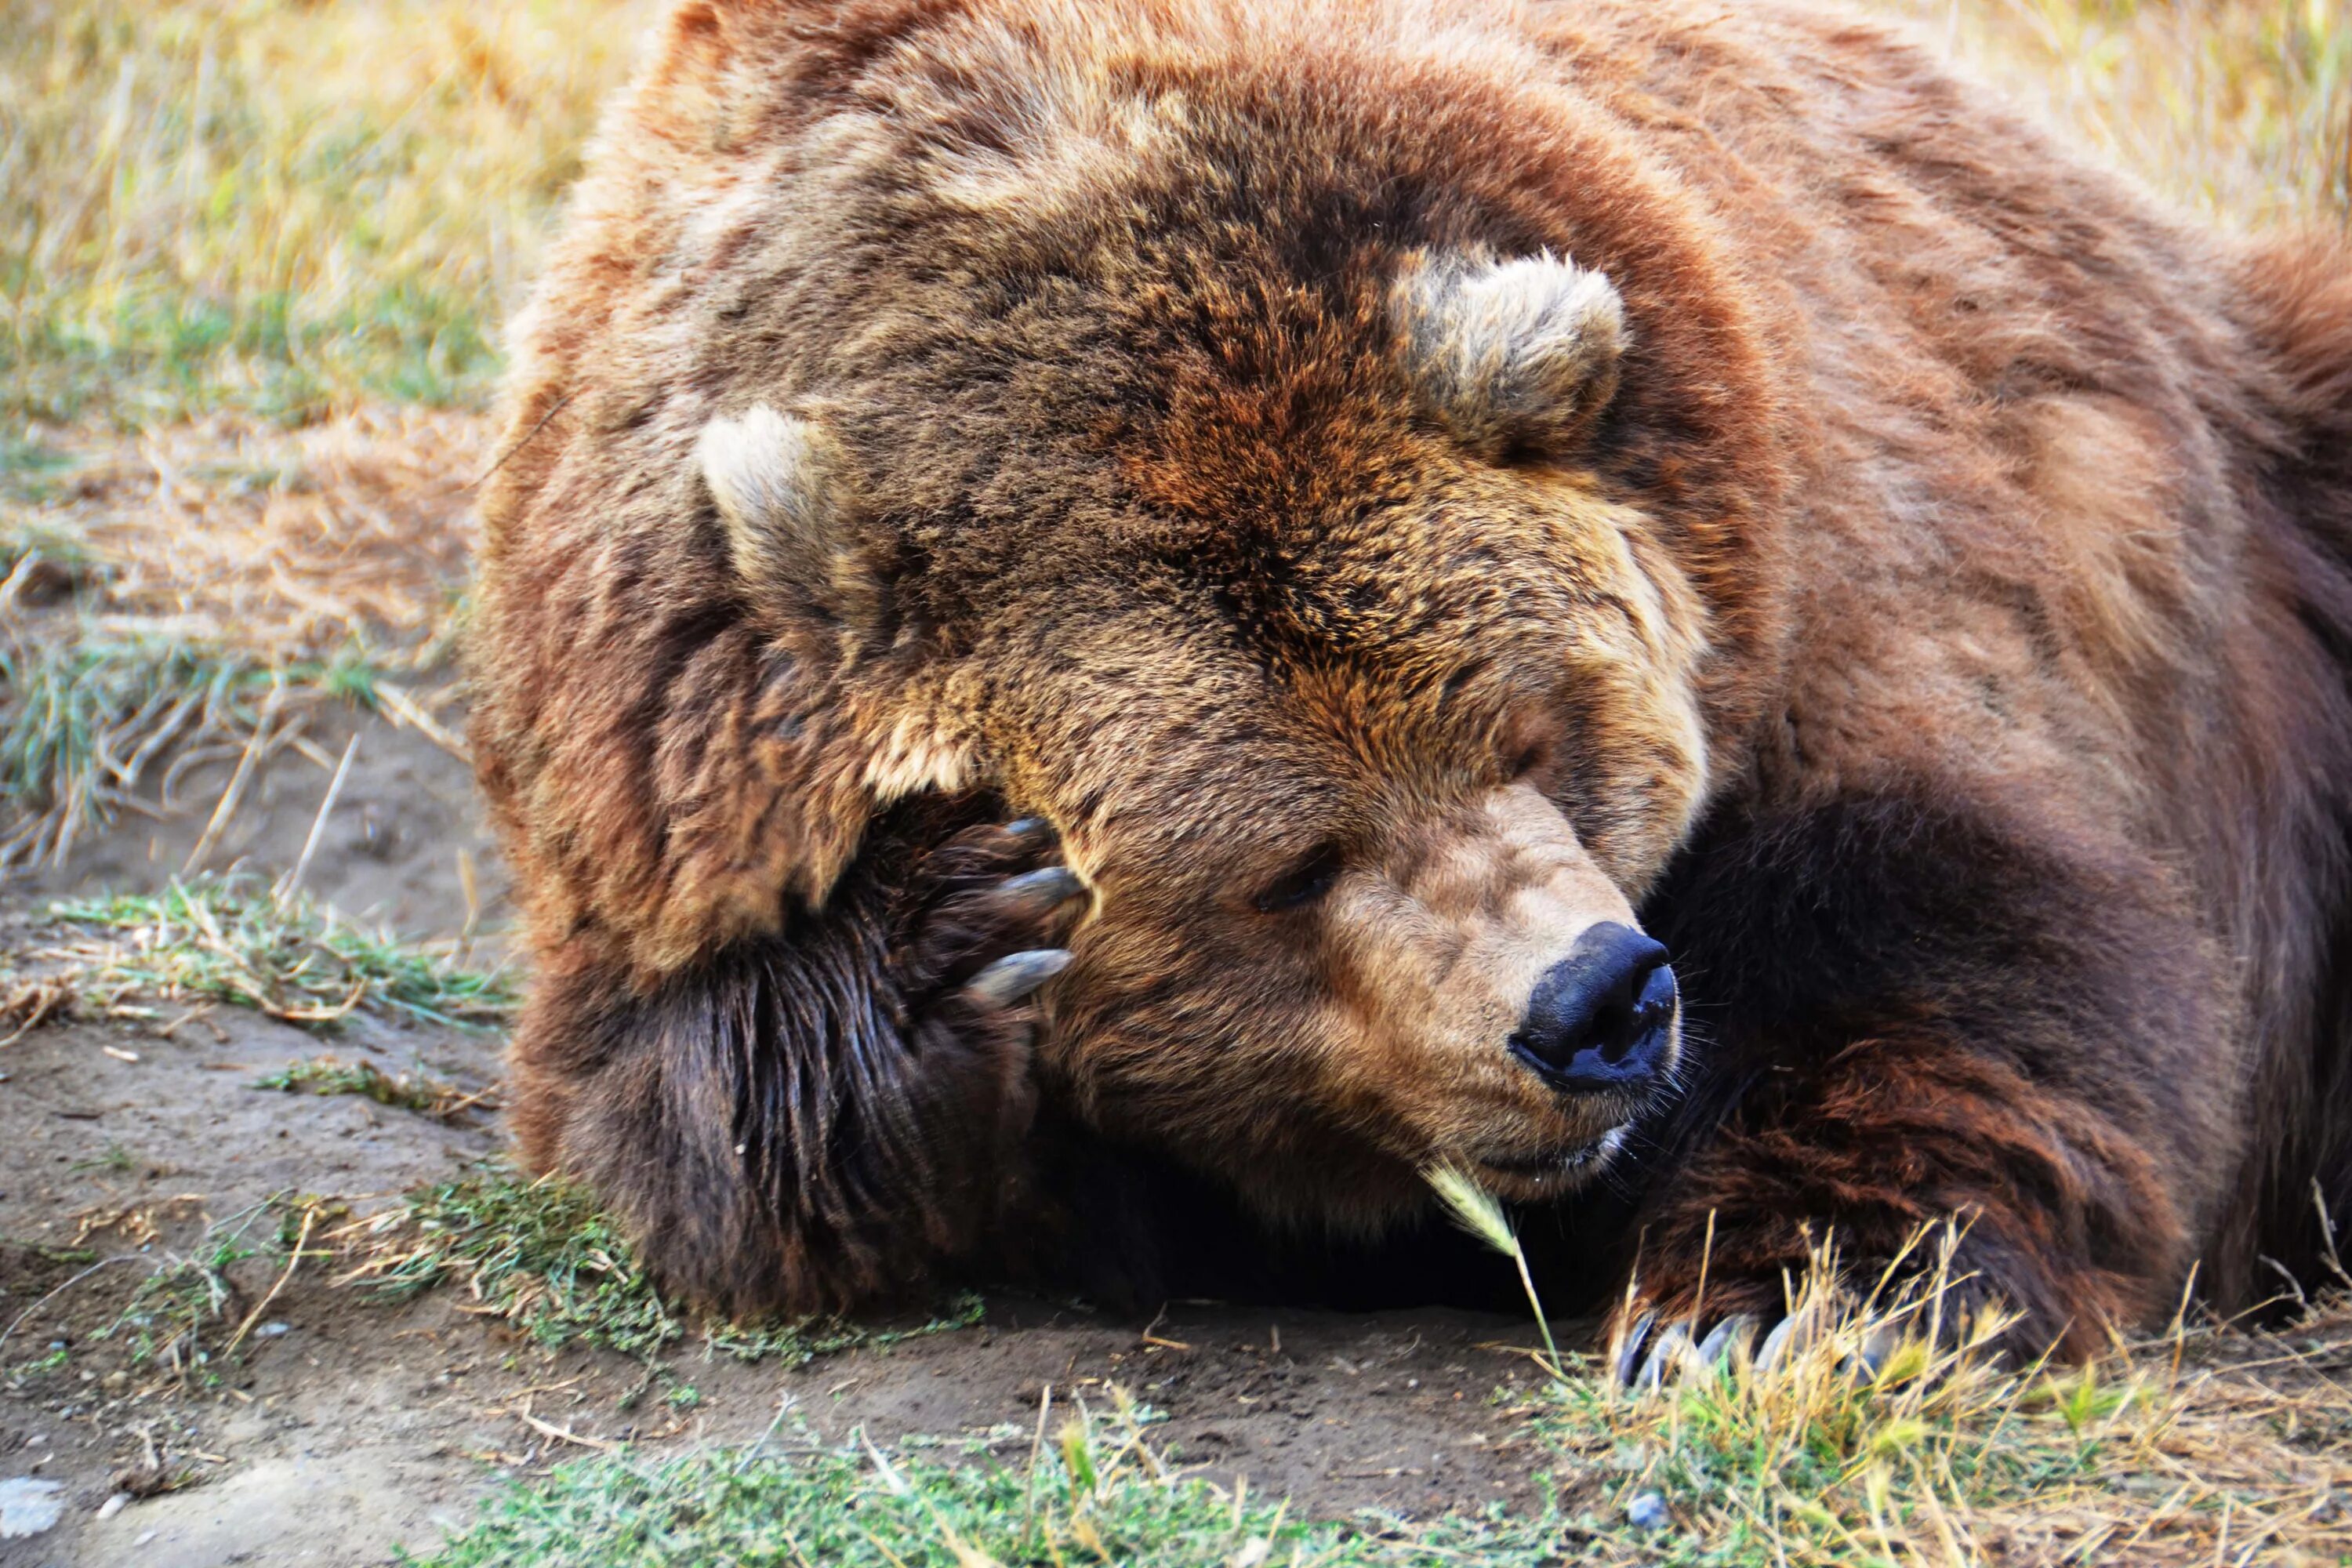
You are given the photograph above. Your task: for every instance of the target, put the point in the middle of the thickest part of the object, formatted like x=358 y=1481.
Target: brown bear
x=1094 y=609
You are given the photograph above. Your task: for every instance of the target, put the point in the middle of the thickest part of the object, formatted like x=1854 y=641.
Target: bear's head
x=1364 y=728
x=1329 y=497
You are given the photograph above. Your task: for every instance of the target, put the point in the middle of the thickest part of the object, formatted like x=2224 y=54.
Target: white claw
x=1670 y=1357
x=1729 y=1337
x=1789 y=1338
x=1016 y=975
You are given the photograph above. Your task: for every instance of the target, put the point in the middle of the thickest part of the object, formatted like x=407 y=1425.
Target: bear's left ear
x=1517 y=355
x=789 y=502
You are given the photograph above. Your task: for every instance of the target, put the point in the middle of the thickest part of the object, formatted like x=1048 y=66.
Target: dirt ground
x=343 y=1427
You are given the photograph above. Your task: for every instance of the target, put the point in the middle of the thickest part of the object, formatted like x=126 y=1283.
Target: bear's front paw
x=977 y=930
x=1656 y=1341
x=983 y=918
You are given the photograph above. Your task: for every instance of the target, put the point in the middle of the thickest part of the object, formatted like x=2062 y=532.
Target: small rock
x=271 y=1331
x=114 y=1505
x=28 y=1507
x=1647 y=1511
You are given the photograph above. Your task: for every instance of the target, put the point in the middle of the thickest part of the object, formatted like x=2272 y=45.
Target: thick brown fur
x=1917 y=585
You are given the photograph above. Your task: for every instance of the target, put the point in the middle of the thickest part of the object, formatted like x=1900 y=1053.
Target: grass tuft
x=1946 y=1454
x=399 y=1091
x=1098 y=1494
x=178 y=1318
x=229 y=940
x=542 y=1256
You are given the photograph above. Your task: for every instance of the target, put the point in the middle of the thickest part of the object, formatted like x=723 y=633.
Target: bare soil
x=341 y=1426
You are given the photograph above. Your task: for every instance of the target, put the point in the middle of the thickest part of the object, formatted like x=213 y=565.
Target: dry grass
x=1892 y=1431
x=2202 y=1446
x=278 y=544
x=176 y=597
x=287 y=207
x=248 y=248
x=2239 y=109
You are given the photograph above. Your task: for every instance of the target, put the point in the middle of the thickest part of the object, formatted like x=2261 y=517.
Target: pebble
x=271 y=1331
x=1647 y=1511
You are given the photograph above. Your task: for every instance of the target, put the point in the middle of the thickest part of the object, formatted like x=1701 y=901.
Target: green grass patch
x=230 y=938
x=399 y=1091
x=541 y=1255
x=85 y=722
x=1094 y=1491
x=115 y=1159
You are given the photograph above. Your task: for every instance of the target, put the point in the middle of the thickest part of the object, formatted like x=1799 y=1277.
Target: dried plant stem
x=293 y=879
x=293 y=1261
x=1535 y=1304
x=254 y=748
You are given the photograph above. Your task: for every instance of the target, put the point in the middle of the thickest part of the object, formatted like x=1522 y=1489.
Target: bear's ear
x=787 y=500
x=1510 y=356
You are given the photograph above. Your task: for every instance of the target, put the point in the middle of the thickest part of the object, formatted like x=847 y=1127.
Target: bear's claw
x=1013 y=976
x=1035 y=894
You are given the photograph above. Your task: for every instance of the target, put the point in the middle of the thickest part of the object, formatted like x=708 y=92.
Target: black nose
x=1600 y=1018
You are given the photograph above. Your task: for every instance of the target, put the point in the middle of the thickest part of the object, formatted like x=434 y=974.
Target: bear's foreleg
x=1921 y=1014
x=819 y=1119
x=2056 y=1210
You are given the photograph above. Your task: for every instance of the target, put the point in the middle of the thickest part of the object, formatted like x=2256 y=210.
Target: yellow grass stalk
x=1478 y=1210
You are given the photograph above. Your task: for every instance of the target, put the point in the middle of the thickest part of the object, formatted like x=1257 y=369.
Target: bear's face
x=1341 y=837
x=1366 y=733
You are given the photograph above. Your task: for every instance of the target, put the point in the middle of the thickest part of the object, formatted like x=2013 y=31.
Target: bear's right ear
x=1511 y=354
x=788 y=501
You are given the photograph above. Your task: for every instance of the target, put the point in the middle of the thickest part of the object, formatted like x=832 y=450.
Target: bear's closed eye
x=1304 y=883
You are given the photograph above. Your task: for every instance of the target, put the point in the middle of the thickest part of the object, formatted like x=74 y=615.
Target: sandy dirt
x=341 y=1426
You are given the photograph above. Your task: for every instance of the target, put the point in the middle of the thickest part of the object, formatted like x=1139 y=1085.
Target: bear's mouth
x=1555 y=1164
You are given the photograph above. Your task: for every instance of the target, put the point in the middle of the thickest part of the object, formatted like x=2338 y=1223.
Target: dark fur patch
x=810 y=1121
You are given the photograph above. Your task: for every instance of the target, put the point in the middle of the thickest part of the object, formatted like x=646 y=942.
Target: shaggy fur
x=1393 y=485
